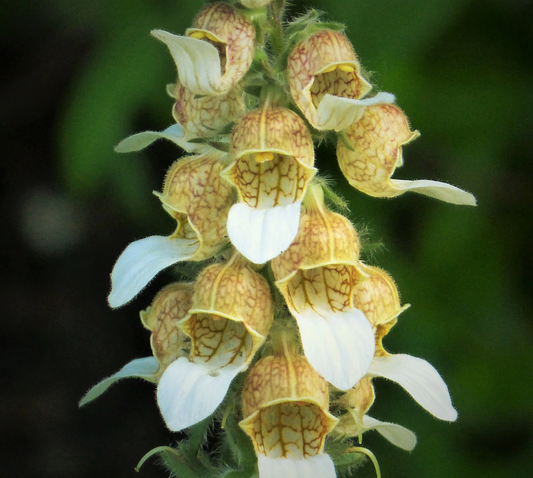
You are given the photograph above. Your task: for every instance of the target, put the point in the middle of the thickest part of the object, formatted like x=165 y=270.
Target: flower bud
x=376 y=140
x=326 y=83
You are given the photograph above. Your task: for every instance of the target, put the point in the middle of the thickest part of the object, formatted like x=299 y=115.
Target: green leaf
x=178 y=462
x=239 y=444
x=198 y=434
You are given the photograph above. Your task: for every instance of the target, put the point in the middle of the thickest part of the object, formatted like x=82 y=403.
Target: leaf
x=198 y=434
x=239 y=444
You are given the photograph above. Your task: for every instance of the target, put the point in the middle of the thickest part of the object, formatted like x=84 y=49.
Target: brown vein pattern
x=169 y=306
x=231 y=312
x=197 y=197
x=323 y=238
x=236 y=34
x=321 y=267
x=307 y=81
x=377 y=139
x=285 y=405
x=205 y=115
x=359 y=399
x=377 y=297
x=218 y=337
x=282 y=178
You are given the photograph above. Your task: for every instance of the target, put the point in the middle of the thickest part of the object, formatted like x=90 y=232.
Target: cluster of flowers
x=250 y=210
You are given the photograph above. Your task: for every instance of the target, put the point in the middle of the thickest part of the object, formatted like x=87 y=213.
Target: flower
x=317 y=275
x=285 y=408
x=168 y=342
x=376 y=141
x=228 y=321
x=378 y=299
x=325 y=81
x=216 y=52
x=196 y=117
x=199 y=200
x=357 y=401
x=273 y=165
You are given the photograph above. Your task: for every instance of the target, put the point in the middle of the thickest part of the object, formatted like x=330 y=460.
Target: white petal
x=197 y=61
x=396 y=434
x=335 y=112
x=140 y=141
x=420 y=379
x=141 y=261
x=189 y=392
x=143 y=368
x=318 y=466
x=436 y=189
x=339 y=345
x=262 y=234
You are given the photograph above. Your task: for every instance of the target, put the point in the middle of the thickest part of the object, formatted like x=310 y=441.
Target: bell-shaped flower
x=357 y=401
x=378 y=298
x=274 y=159
x=196 y=117
x=325 y=81
x=229 y=320
x=317 y=275
x=285 y=408
x=197 y=197
x=215 y=53
x=376 y=142
x=168 y=342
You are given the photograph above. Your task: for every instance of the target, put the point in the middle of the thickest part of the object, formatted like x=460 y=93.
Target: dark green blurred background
x=79 y=76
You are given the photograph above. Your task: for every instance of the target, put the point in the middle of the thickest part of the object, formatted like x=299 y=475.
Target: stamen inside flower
x=338 y=80
x=293 y=430
x=199 y=35
x=264 y=156
x=219 y=341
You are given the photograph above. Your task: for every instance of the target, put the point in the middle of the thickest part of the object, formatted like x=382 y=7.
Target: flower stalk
x=278 y=338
